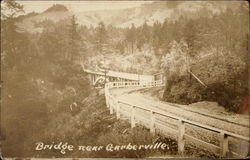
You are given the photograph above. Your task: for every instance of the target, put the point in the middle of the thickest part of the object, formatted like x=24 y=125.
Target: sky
x=79 y=6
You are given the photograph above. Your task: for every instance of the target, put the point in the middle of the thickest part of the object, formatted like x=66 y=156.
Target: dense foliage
x=33 y=84
x=204 y=58
x=46 y=96
x=214 y=50
x=42 y=73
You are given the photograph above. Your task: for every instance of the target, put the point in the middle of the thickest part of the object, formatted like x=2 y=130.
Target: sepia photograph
x=124 y=79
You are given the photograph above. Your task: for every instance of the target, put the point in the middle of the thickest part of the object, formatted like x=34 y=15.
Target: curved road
x=230 y=122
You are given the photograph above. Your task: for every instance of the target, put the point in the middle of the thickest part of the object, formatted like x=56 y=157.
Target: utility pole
x=105 y=69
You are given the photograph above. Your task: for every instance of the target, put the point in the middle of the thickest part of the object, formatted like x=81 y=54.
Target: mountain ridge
x=149 y=13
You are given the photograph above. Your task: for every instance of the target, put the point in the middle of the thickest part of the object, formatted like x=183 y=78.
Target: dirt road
x=196 y=112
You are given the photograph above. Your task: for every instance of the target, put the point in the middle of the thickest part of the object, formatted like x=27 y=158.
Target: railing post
x=223 y=144
x=106 y=95
x=132 y=116
x=107 y=101
x=181 y=143
x=118 y=115
x=152 y=122
x=111 y=106
x=107 y=98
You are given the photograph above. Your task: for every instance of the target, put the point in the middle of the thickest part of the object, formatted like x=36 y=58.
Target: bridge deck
x=123 y=75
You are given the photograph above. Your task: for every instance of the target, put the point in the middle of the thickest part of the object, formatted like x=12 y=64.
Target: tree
x=14 y=43
x=156 y=37
x=131 y=37
x=74 y=40
x=10 y=9
x=21 y=99
x=101 y=38
x=190 y=36
x=175 y=61
x=144 y=36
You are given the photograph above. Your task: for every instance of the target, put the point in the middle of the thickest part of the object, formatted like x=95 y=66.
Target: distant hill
x=155 y=11
x=150 y=13
x=55 y=13
x=56 y=8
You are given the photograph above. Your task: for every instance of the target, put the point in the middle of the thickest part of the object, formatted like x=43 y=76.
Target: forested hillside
x=210 y=43
x=41 y=65
x=213 y=46
x=47 y=98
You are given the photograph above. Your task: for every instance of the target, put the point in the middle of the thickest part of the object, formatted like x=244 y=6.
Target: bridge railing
x=152 y=120
x=134 y=84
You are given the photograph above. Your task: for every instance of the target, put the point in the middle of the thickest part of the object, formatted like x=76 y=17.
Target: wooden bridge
x=113 y=76
x=165 y=123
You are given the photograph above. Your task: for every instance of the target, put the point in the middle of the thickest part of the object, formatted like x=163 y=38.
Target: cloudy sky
x=79 y=6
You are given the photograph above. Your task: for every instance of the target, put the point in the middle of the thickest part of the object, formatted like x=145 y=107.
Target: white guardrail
x=152 y=121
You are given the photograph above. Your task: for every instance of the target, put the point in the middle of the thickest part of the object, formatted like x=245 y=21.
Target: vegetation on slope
x=209 y=50
x=42 y=77
x=93 y=125
x=47 y=98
